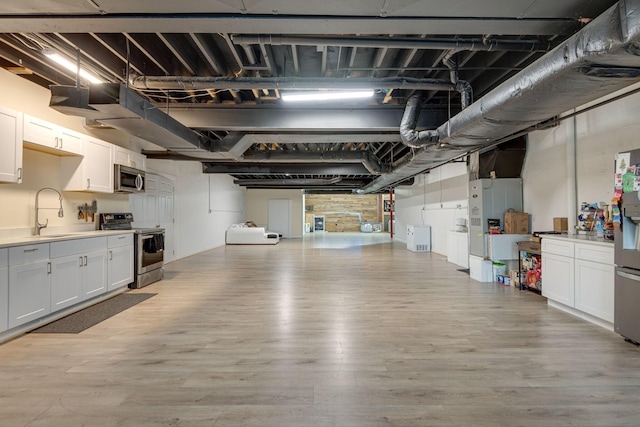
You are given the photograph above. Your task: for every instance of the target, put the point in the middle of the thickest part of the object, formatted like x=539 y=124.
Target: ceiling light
x=61 y=60
x=326 y=95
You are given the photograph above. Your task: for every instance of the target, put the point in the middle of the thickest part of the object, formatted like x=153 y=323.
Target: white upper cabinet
x=42 y=135
x=92 y=173
x=10 y=145
x=122 y=156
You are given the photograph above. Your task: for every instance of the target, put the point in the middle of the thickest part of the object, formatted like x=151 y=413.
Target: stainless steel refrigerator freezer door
x=627 y=303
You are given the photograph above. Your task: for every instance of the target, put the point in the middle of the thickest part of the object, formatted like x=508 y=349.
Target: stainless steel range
x=148 y=247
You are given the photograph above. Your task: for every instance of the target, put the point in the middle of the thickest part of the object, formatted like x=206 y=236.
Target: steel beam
x=245 y=168
x=280 y=24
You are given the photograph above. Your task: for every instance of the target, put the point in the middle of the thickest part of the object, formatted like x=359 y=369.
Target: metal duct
x=600 y=59
x=287 y=83
x=115 y=105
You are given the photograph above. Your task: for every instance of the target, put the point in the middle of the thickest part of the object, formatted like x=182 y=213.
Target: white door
x=280 y=216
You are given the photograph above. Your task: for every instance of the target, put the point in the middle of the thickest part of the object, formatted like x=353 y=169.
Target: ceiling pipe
x=397 y=43
x=408 y=133
x=285 y=83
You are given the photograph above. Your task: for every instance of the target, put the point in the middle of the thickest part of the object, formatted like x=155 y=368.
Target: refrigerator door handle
x=628 y=275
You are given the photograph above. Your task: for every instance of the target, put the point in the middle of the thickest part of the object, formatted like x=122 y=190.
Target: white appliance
x=503 y=247
x=490 y=199
x=419 y=238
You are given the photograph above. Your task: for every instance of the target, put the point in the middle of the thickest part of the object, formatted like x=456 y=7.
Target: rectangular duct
x=117 y=106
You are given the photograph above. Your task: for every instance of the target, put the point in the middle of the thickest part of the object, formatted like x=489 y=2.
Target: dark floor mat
x=90 y=316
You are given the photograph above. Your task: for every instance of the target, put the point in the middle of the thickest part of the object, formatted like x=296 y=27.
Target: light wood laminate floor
x=332 y=330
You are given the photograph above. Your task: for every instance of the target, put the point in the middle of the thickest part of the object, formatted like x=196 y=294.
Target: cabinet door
x=66 y=281
x=4 y=298
x=69 y=141
x=120 y=271
x=40 y=132
x=29 y=292
x=558 y=278
x=98 y=166
x=59 y=140
x=594 y=292
x=10 y=145
x=94 y=274
x=463 y=250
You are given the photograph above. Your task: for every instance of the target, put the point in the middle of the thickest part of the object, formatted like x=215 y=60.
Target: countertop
x=579 y=238
x=6 y=242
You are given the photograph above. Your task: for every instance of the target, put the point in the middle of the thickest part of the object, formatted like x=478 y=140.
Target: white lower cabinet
x=4 y=289
x=78 y=271
x=66 y=281
x=120 y=254
x=458 y=248
x=29 y=283
x=558 y=278
x=595 y=289
x=579 y=275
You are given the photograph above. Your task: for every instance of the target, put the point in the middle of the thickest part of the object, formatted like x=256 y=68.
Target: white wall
x=439 y=197
x=600 y=133
x=257 y=207
x=205 y=205
x=436 y=199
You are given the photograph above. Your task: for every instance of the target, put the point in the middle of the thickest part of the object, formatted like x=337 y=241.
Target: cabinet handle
x=49 y=268
x=30 y=250
x=122 y=237
x=80 y=258
x=85 y=260
x=56 y=141
x=61 y=140
x=19 y=175
x=88 y=183
x=110 y=255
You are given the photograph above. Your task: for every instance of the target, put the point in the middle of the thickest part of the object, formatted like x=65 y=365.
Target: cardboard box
x=516 y=223
x=560 y=224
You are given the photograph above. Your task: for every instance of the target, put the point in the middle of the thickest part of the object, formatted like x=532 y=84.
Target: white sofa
x=239 y=234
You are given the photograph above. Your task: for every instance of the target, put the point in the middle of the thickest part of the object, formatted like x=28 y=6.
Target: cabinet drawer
x=78 y=246
x=27 y=254
x=4 y=257
x=596 y=253
x=120 y=240
x=557 y=247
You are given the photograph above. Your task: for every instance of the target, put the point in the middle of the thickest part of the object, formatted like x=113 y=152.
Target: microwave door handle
x=139 y=182
x=147 y=237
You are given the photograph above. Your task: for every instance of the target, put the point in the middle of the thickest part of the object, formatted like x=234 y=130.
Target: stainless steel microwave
x=128 y=180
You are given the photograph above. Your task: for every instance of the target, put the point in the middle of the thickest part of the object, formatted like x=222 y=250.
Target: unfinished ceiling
x=464 y=74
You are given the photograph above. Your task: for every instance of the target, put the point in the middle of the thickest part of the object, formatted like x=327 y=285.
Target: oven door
x=150 y=251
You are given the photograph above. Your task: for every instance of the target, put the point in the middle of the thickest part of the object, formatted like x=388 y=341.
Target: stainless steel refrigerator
x=627 y=249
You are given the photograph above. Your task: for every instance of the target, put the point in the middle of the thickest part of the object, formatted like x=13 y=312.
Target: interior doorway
x=280 y=216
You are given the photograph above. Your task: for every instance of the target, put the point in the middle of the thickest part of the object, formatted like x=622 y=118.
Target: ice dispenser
x=631 y=227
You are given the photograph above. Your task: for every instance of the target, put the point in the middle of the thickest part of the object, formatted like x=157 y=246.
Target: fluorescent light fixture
x=61 y=60
x=326 y=95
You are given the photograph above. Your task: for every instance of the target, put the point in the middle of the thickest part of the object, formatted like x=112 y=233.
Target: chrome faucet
x=60 y=212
